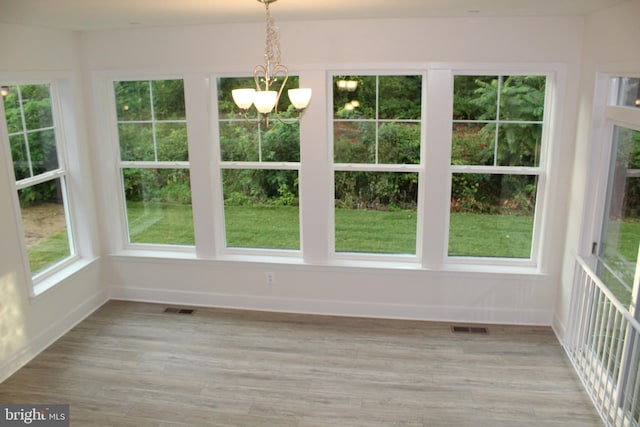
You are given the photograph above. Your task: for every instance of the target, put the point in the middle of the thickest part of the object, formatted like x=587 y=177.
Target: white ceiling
x=89 y=15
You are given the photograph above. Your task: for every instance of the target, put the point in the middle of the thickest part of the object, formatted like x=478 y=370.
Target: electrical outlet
x=271 y=278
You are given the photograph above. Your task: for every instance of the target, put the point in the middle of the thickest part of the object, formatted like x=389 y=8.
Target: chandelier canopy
x=270 y=79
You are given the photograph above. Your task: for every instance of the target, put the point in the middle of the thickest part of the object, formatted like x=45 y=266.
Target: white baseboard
x=48 y=336
x=336 y=307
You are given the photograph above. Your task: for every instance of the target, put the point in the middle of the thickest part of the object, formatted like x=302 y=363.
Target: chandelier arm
x=258 y=71
x=285 y=73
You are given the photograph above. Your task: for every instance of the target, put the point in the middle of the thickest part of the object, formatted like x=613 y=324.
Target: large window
x=496 y=151
x=377 y=123
x=40 y=174
x=259 y=168
x=154 y=161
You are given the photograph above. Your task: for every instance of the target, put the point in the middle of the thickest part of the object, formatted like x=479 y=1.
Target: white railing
x=603 y=344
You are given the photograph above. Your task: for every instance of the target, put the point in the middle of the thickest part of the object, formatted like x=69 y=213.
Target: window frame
x=554 y=75
x=223 y=251
x=47 y=278
x=120 y=165
x=345 y=258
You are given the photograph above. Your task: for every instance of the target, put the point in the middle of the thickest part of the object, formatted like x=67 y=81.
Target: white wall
x=28 y=325
x=610 y=46
x=316 y=47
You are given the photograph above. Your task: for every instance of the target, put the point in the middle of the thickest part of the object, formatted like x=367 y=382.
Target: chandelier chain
x=272 y=48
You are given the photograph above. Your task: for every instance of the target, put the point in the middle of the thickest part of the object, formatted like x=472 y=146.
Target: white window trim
x=222 y=251
x=373 y=259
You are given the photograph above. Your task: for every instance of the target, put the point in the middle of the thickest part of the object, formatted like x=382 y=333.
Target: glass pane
x=158 y=205
x=168 y=100
x=358 y=103
x=475 y=97
x=473 y=144
x=400 y=97
x=36 y=102
x=281 y=143
x=261 y=208
x=399 y=143
x=519 y=144
x=19 y=156
x=45 y=224
x=375 y=212
x=42 y=147
x=12 y=110
x=621 y=230
x=354 y=142
x=253 y=139
x=239 y=141
x=133 y=100
x=172 y=142
x=628 y=92
x=492 y=215
x=227 y=109
x=522 y=98
x=136 y=142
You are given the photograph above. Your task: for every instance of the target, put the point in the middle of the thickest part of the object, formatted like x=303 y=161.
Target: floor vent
x=176 y=310
x=470 y=329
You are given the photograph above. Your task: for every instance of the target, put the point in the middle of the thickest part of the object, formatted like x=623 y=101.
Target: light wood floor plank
x=131 y=364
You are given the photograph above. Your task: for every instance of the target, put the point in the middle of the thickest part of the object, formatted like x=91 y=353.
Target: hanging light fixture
x=270 y=80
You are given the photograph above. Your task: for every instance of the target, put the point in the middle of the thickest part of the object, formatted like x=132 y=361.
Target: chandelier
x=270 y=80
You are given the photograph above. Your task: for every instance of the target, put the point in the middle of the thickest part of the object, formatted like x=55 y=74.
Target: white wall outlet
x=271 y=278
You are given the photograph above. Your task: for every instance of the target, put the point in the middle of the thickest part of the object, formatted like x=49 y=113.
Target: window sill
x=42 y=285
x=295 y=261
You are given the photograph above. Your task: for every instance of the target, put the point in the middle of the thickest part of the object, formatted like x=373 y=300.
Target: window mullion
x=435 y=191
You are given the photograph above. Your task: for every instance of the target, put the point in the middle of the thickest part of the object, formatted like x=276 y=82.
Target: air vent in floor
x=177 y=310
x=470 y=329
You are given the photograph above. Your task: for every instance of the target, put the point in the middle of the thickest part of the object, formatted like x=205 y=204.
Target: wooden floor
x=131 y=364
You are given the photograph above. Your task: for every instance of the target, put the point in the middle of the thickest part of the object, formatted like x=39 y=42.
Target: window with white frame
x=616 y=248
x=259 y=168
x=154 y=161
x=377 y=123
x=41 y=174
x=496 y=164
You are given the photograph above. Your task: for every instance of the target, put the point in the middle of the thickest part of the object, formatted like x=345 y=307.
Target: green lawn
x=505 y=236
x=371 y=231
x=48 y=251
x=277 y=227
